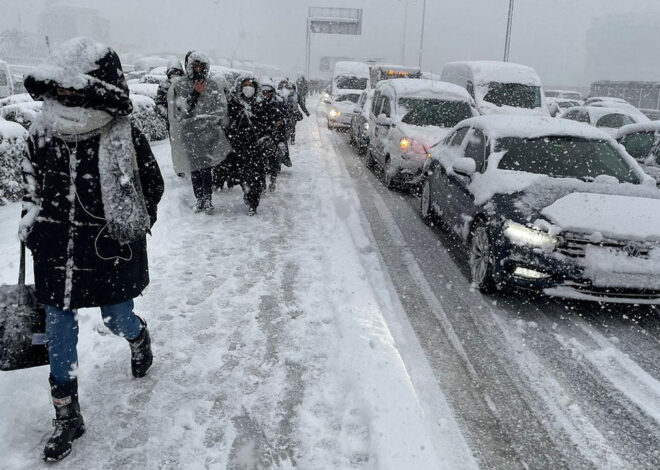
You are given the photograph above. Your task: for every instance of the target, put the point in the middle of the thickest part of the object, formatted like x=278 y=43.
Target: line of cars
x=552 y=205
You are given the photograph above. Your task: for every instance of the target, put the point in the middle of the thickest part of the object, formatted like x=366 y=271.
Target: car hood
x=346 y=107
x=426 y=135
x=610 y=215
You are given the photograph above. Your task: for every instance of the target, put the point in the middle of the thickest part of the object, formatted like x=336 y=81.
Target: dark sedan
x=548 y=205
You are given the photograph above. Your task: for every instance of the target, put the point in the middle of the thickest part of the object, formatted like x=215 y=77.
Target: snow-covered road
x=279 y=343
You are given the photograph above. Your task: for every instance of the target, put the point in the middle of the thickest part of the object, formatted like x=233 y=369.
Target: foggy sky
x=548 y=35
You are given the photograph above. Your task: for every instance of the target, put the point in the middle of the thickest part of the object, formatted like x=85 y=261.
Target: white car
x=565 y=95
x=341 y=110
x=607 y=119
x=557 y=106
x=22 y=113
x=642 y=142
x=410 y=116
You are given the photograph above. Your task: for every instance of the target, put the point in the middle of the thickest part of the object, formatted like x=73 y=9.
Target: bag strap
x=21 y=266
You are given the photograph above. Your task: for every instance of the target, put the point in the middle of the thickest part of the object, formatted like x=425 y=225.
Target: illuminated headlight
x=366 y=126
x=521 y=235
x=404 y=143
x=530 y=273
x=334 y=113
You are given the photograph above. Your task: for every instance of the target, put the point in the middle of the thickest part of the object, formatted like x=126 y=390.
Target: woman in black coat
x=91 y=190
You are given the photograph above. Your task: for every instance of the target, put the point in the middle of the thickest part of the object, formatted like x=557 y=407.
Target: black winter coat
x=100 y=270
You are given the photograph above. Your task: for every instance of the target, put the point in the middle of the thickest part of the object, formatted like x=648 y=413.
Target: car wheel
x=362 y=147
x=388 y=177
x=371 y=161
x=426 y=208
x=481 y=259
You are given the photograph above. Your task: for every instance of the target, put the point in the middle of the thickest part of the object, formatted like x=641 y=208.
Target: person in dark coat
x=302 y=86
x=273 y=112
x=247 y=136
x=174 y=70
x=91 y=190
x=287 y=91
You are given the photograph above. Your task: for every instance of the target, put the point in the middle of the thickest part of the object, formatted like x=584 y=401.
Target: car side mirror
x=383 y=120
x=464 y=166
x=357 y=110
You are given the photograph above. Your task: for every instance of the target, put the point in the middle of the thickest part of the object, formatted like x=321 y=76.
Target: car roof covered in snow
x=351 y=68
x=11 y=130
x=486 y=71
x=423 y=87
x=597 y=112
x=532 y=127
x=651 y=126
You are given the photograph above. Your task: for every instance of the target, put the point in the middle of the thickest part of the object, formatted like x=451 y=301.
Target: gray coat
x=196 y=134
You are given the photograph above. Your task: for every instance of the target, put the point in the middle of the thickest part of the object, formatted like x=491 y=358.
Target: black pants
x=202 y=182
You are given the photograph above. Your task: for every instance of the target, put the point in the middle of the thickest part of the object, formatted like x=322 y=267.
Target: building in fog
x=624 y=47
x=61 y=22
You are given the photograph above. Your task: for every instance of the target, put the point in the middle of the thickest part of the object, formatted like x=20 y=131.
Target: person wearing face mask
x=247 y=126
x=198 y=112
x=174 y=71
x=91 y=190
x=273 y=111
x=293 y=105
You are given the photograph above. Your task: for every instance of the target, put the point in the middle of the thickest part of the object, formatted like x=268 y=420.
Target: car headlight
x=404 y=143
x=334 y=113
x=366 y=126
x=522 y=235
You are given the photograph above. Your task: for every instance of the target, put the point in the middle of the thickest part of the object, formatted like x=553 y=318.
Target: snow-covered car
x=146 y=117
x=557 y=106
x=604 y=99
x=155 y=76
x=342 y=109
x=628 y=108
x=361 y=123
x=609 y=120
x=549 y=205
x=499 y=87
x=16 y=99
x=13 y=138
x=642 y=142
x=144 y=89
x=565 y=95
x=22 y=113
x=6 y=80
x=410 y=116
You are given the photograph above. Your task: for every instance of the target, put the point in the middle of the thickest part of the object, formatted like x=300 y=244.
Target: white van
x=499 y=87
x=6 y=80
x=350 y=77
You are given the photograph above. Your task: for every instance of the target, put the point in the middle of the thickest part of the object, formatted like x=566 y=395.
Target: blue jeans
x=62 y=333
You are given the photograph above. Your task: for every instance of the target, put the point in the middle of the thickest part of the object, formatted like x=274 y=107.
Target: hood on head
x=196 y=56
x=174 y=66
x=266 y=82
x=241 y=79
x=89 y=68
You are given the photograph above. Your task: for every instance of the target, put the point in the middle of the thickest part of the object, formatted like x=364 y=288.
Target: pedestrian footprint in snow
x=198 y=111
x=91 y=188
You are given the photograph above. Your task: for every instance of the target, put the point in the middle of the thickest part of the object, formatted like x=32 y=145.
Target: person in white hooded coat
x=197 y=109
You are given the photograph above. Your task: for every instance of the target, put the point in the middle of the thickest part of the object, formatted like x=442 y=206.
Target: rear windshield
x=565 y=157
x=639 y=145
x=434 y=112
x=351 y=83
x=514 y=94
x=614 y=121
x=350 y=97
x=552 y=94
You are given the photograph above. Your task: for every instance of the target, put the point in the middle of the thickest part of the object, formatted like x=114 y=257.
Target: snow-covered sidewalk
x=271 y=344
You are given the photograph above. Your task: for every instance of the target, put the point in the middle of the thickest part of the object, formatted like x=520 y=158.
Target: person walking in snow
x=91 y=189
x=198 y=112
x=302 y=86
x=174 y=70
x=273 y=112
x=287 y=91
x=246 y=133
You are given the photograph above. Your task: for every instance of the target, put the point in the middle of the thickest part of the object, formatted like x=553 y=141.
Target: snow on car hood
x=613 y=216
x=427 y=135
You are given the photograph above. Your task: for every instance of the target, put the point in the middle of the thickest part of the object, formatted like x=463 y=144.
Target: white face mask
x=73 y=120
x=248 y=91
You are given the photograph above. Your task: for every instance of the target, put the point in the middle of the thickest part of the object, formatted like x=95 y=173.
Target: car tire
x=371 y=161
x=426 y=207
x=481 y=259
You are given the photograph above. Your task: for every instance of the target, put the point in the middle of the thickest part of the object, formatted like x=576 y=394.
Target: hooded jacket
x=196 y=133
x=164 y=86
x=76 y=261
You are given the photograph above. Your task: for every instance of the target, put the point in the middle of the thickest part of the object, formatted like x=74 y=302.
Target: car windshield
x=568 y=104
x=614 y=121
x=351 y=83
x=434 y=112
x=639 y=144
x=552 y=94
x=572 y=96
x=565 y=157
x=350 y=97
x=513 y=94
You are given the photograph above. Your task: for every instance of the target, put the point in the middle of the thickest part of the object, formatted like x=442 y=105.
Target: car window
x=350 y=97
x=583 y=116
x=476 y=148
x=375 y=107
x=470 y=88
x=386 y=109
x=614 y=121
x=433 y=112
x=458 y=137
x=638 y=144
x=570 y=115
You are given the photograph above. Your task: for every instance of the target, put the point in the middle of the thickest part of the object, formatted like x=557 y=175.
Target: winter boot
x=208 y=206
x=68 y=422
x=199 y=207
x=141 y=356
x=252 y=211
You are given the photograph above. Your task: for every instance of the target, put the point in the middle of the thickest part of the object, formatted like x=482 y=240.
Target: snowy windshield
x=513 y=94
x=565 y=157
x=614 y=121
x=350 y=97
x=639 y=144
x=351 y=83
x=434 y=112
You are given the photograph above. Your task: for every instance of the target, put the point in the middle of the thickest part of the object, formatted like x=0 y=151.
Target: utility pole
x=405 y=30
x=421 y=36
x=509 y=24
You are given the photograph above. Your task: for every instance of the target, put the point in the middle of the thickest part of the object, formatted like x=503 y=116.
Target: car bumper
x=342 y=120
x=410 y=169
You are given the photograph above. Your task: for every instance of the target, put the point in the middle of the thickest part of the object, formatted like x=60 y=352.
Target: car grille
x=575 y=246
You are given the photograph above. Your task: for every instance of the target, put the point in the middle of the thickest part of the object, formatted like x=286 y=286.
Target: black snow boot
x=141 y=356
x=68 y=422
